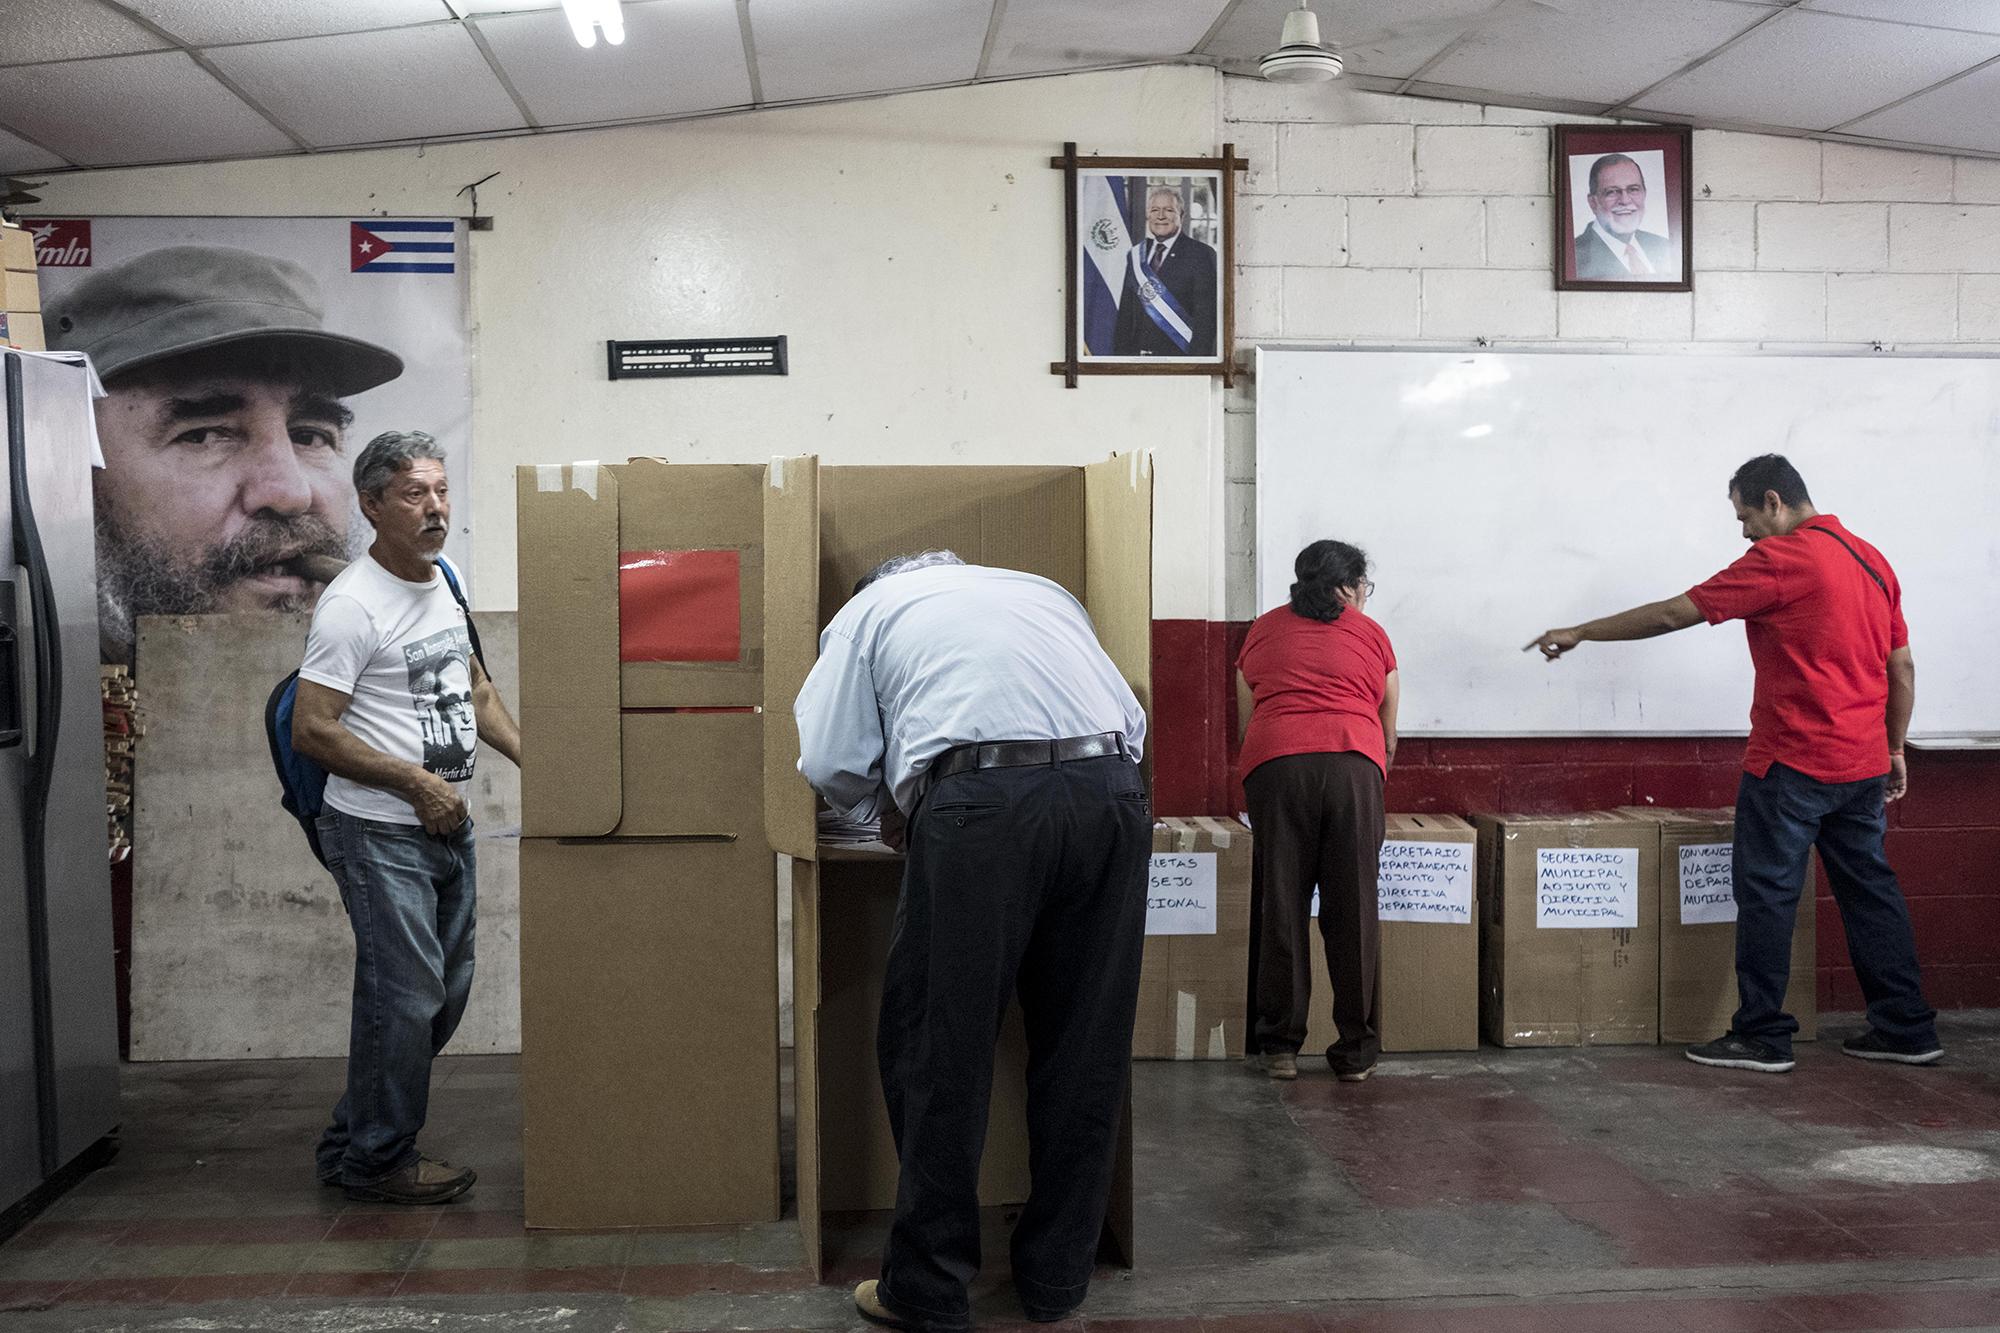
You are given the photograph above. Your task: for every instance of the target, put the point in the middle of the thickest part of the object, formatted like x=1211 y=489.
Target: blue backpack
x=303 y=782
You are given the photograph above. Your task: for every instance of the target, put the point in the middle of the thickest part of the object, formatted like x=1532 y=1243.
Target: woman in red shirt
x=1317 y=680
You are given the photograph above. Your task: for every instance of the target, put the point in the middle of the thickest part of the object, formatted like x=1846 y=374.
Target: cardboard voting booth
x=649 y=969
x=669 y=616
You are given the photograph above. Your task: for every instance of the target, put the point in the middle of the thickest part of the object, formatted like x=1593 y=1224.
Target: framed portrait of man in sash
x=1150 y=265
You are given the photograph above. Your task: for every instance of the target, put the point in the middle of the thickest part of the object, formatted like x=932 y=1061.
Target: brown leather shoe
x=422 y=1181
x=869 y=1303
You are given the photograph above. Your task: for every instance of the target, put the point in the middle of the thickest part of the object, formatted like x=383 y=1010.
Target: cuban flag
x=382 y=245
x=1106 y=237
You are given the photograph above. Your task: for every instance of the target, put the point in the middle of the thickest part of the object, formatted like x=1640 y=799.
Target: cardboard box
x=1698 y=933
x=22 y=330
x=1429 y=965
x=17 y=248
x=1192 y=985
x=1086 y=528
x=1569 y=929
x=20 y=291
x=649 y=998
x=649 y=1032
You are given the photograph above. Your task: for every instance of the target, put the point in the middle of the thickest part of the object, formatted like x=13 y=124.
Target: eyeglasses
x=1368 y=587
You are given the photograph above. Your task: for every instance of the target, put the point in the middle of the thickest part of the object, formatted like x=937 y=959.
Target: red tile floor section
x=1658 y=1195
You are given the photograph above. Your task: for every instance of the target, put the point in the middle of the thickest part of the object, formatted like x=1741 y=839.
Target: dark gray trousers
x=1316 y=820
x=1028 y=881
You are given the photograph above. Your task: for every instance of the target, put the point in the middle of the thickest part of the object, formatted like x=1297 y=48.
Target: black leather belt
x=1025 y=754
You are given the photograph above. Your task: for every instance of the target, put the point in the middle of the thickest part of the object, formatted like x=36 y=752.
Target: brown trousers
x=1316 y=819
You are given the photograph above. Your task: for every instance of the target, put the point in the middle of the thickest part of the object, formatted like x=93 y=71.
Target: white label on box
x=1708 y=890
x=1425 y=881
x=1587 y=888
x=1180 y=894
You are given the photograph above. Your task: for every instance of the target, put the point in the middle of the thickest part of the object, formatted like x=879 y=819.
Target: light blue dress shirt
x=947 y=655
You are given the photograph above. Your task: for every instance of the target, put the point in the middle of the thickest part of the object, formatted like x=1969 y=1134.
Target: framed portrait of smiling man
x=1624 y=208
x=1150 y=262
x=248 y=361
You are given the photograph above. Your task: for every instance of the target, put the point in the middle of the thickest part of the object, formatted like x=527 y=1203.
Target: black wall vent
x=658 y=360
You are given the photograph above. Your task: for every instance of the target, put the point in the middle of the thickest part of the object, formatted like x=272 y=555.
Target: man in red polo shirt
x=1835 y=684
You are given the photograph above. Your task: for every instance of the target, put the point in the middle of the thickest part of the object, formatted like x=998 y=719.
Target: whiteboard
x=1501 y=494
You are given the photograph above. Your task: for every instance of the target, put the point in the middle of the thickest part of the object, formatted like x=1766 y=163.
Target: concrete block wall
x=1430 y=223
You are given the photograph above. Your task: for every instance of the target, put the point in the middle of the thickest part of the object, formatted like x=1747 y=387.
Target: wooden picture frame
x=1624 y=214
x=1122 y=316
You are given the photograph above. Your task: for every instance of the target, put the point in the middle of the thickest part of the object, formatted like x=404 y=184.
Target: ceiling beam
x=750 y=52
x=1699 y=61
x=1984 y=64
x=993 y=22
x=210 y=68
x=471 y=25
x=1221 y=22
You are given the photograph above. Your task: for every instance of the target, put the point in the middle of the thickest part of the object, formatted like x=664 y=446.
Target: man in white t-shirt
x=391 y=701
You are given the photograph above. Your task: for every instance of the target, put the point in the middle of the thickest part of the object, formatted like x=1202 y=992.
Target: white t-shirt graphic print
x=402 y=652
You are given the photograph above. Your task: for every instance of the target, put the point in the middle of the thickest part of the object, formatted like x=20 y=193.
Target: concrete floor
x=1610 y=1189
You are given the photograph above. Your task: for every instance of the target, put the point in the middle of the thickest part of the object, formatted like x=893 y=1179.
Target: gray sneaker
x=1282 y=1065
x=1873 y=1045
x=422 y=1181
x=1733 y=1050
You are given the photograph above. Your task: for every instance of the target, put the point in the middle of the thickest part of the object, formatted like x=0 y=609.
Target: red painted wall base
x=1944 y=837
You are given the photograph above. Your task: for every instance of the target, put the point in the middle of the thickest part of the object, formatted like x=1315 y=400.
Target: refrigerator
x=58 y=1007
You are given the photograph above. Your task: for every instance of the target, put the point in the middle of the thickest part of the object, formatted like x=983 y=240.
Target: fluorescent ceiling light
x=587 y=16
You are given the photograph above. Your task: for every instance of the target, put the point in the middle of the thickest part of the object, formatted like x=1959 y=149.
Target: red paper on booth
x=680 y=606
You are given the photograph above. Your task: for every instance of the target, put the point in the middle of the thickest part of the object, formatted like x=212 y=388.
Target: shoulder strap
x=1857 y=558
x=458 y=595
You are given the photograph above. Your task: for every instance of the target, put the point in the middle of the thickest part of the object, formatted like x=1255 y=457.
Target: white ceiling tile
x=370 y=87
x=68 y=30
x=678 y=56
x=813 y=48
x=1971 y=15
x=17 y=154
x=1813 y=71
x=146 y=108
x=1595 y=50
x=1389 y=41
x=481 y=7
x=1962 y=114
x=1040 y=35
x=218 y=22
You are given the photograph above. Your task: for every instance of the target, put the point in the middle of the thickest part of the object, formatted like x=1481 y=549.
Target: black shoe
x=1872 y=1045
x=1733 y=1050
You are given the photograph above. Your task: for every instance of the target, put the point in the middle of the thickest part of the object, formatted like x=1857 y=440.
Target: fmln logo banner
x=384 y=245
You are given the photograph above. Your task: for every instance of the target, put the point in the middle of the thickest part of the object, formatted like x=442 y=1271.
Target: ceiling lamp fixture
x=1299 y=57
x=587 y=16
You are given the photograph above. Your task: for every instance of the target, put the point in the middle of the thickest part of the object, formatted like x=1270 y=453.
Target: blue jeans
x=1778 y=818
x=412 y=899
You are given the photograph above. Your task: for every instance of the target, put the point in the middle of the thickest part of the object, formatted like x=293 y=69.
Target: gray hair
x=903 y=564
x=388 y=454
